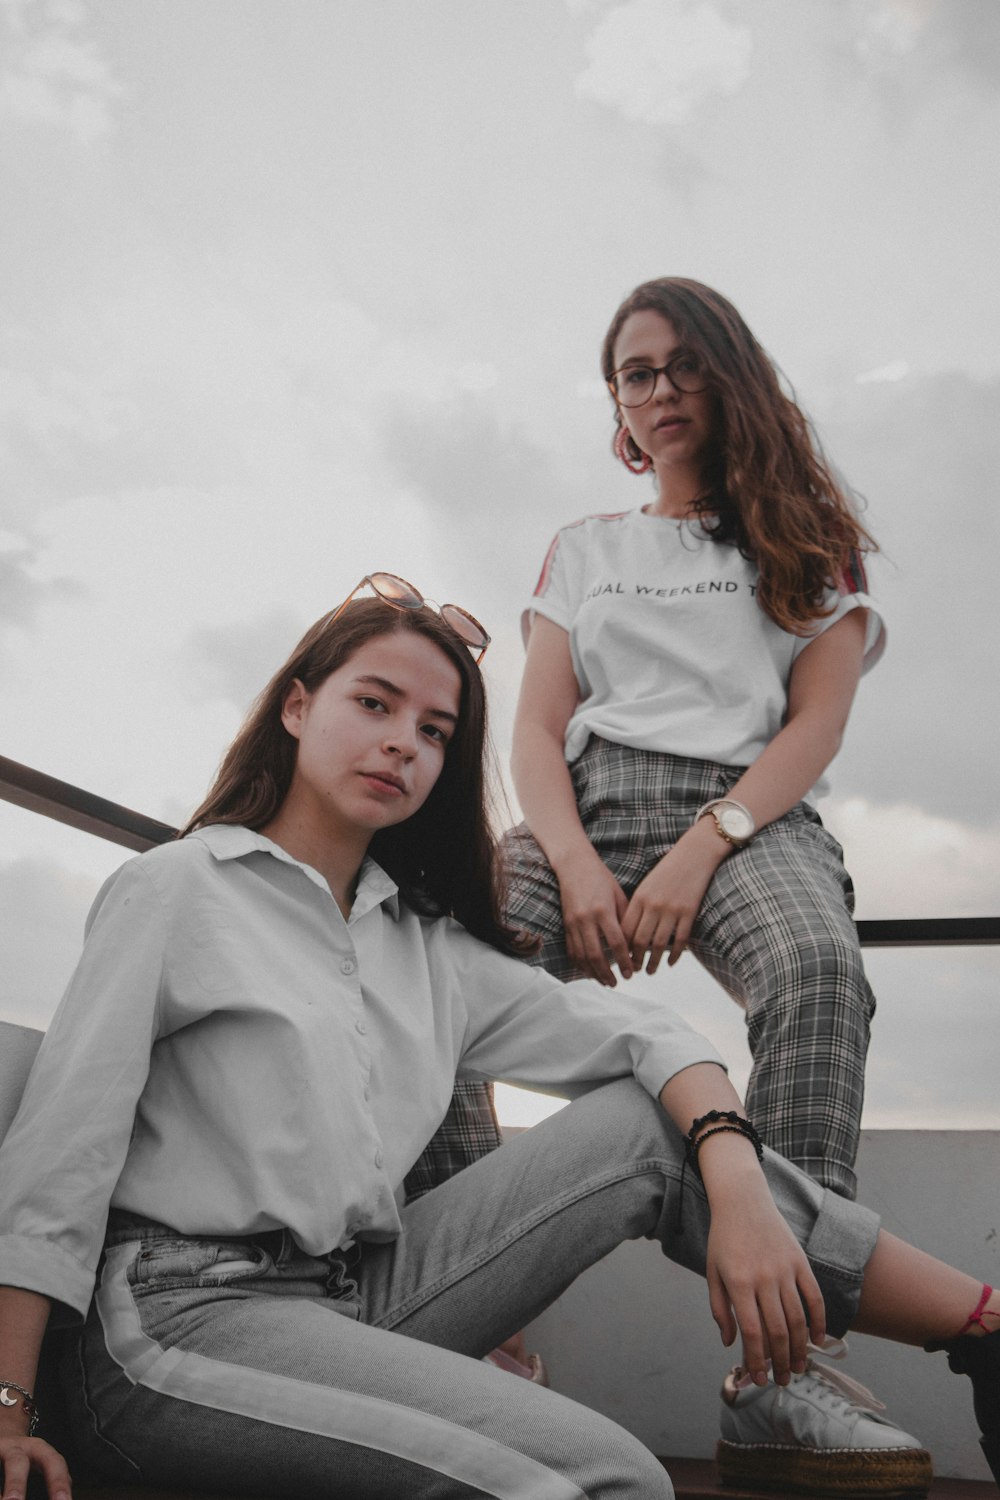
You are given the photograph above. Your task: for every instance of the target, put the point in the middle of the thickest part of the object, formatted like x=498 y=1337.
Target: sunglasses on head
x=402 y=595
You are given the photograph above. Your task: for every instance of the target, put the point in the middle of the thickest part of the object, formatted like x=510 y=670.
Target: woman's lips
x=391 y=786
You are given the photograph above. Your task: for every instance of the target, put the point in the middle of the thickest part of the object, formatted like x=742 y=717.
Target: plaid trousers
x=775 y=929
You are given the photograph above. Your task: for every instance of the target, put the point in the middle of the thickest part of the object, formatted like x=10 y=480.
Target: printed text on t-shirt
x=707 y=586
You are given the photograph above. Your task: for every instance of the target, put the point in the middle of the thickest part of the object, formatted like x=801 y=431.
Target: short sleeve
x=556 y=594
x=852 y=592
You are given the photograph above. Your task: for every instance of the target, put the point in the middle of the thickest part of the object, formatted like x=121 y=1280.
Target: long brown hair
x=443 y=858
x=768 y=488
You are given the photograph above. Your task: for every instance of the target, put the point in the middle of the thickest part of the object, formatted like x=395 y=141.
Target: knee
x=645 y=1476
x=823 y=970
x=626 y=1469
x=623 y=1119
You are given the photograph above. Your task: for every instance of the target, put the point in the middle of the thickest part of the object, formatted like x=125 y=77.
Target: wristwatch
x=733 y=821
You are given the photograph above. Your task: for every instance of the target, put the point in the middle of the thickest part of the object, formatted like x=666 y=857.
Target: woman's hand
x=593 y=904
x=758 y=1275
x=19 y=1455
x=666 y=903
x=761 y=1284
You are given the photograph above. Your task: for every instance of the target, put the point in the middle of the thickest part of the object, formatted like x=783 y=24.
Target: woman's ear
x=293 y=709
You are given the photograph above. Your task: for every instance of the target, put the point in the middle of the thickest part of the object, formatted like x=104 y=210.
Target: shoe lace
x=843 y=1386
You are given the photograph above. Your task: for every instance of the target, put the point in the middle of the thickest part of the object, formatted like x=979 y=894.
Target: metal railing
x=108 y=820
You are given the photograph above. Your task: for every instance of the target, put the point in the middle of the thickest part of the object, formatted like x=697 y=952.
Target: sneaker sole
x=828 y=1471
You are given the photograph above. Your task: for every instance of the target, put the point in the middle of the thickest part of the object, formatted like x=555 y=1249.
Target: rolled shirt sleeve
x=65 y=1149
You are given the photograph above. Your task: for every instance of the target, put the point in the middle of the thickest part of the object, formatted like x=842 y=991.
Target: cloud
x=923 y=41
x=55 y=75
x=896 y=369
x=926 y=451
x=63 y=403
x=230 y=663
x=939 y=866
x=44 y=907
x=658 y=61
x=22 y=593
x=889 y=29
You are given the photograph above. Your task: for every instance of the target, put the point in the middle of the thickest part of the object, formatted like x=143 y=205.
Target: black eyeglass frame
x=656 y=371
x=414 y=599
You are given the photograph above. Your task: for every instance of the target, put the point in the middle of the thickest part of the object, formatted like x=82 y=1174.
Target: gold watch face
x=735 y=822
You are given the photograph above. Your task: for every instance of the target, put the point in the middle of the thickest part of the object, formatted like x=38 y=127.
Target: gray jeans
x=246 y=1365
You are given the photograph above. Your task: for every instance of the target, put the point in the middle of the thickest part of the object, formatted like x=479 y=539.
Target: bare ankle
x=985 y=1316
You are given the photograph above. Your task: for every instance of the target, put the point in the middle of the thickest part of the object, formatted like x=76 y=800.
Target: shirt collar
x=233 y=841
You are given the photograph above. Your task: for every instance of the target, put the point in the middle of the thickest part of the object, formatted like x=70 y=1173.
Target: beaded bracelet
x=27 y=1402
x=722 y=1120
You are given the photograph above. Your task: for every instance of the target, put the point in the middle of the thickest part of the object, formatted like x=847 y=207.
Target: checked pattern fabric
x=775 y=929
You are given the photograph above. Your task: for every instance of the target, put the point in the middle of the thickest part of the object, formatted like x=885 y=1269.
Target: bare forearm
x=693 y=1091
x=784 y=772
x=23 y=1317
x=545 y=791
x=728 y=1160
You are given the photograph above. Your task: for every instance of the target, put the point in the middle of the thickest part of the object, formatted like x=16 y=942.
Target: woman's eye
x=637 y=376
x=375 y=704
x=434 y=732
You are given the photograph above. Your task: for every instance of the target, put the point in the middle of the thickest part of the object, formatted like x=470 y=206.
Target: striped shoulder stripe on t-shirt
x=853 y=579
x=541 y=587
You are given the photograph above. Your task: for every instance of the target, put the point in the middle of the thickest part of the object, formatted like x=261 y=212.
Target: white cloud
x=44 y=904
x=914 y=863
x=657 y=61
x=22 y=590
x=62 y=402
x=896 y=369
x=229 y=663
x=591 y=390
x=889 y=29
x=477 y=375
x=55 y=75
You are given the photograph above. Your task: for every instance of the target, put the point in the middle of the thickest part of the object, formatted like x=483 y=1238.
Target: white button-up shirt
x=232 y=1055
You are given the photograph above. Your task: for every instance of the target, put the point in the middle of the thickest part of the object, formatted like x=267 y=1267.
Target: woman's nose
x=667 y=389
x=402 y=740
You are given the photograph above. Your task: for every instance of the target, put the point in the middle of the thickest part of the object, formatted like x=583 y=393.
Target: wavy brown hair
x=443 y=858
x=768 y=488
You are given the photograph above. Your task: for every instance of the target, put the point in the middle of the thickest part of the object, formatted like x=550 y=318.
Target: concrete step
x=697 y=1479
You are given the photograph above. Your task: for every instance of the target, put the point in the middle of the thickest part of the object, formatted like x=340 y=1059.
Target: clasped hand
x=603 y=926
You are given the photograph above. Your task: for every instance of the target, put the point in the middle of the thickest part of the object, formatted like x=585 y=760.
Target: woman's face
x=673 y=427
x=373 y=736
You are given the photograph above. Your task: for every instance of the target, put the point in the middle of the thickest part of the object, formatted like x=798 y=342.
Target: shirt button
x=360 y=1027
x=347 y=966
x=379 y=1158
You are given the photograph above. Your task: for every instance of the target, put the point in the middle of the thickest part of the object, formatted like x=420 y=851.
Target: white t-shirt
x=670 y=648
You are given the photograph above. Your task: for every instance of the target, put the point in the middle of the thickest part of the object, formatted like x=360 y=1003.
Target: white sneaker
x=822 y=1434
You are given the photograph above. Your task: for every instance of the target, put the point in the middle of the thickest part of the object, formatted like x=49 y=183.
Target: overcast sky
x=297 y=289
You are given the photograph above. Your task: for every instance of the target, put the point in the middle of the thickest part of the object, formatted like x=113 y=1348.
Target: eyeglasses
x=402 y=595
x=635 y=384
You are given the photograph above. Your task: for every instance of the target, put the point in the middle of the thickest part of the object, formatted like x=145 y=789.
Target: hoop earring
x=622 y=437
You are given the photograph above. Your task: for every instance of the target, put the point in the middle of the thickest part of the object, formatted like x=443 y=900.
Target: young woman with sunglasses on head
x=204 y=1181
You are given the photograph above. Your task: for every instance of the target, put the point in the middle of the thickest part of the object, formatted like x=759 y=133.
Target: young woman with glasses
x=204 y=1181
x=690 y=669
